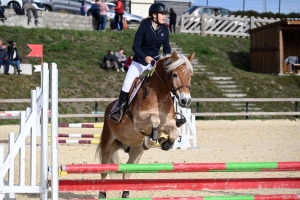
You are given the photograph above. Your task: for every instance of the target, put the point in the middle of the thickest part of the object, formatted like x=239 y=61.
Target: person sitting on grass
x=121 y=59
x=13 y=55
x=4 y=58
x=109 y=61
x=128 y=62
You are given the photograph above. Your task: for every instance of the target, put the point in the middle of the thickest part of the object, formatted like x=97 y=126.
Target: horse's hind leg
x=135 y=154
x=107 y=150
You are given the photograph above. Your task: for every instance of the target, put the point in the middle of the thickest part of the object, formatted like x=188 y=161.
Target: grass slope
x=78 y=54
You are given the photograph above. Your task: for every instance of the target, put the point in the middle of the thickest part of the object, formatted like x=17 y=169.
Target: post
x=207 y=2
x=247 y=104
x=96 y=109
x=198 y=109
x=54 y=132
x=279 y=5
x=202 y=25
x=244 y=6
x=296 y=109
x=252 y=22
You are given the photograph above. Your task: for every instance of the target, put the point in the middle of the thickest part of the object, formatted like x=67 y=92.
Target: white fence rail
x=222 y=25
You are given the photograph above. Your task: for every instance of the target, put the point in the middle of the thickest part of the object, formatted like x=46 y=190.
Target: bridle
x=173 y=88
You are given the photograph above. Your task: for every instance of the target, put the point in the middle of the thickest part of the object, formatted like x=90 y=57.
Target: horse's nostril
x=183 y=101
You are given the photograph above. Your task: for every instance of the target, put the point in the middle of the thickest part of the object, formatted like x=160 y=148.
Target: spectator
x=2 y=10
x=128 y=62
x=96 y=13
x=119 y=11
x=13 y=55
x=172 y=17
x=28 y=5
x=4 y=58
x=109 y=60
x=103 y=15
x=121 y=59
x=82 y=9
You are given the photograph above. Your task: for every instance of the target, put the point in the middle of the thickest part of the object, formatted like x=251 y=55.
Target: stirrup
x=117 y=111
x=180 y=122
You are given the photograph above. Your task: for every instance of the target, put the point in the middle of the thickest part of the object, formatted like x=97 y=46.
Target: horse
x=150 y=114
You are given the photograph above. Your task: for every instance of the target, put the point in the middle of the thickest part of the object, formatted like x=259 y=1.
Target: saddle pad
x=135 y=90
x=132 y=95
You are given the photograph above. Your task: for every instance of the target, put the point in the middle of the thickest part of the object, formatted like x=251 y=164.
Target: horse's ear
x=191 y=57
x=174 y=56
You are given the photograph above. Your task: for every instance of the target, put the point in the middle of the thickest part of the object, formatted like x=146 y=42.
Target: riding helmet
x=158 y=8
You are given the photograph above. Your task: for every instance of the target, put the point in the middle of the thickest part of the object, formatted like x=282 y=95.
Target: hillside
x=78 y=54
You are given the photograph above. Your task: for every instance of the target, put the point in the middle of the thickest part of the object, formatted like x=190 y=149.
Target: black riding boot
x=119 y=112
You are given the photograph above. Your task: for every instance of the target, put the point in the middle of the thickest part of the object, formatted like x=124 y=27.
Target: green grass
x=78 y=54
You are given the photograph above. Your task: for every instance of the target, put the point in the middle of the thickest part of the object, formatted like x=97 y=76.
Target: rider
x=150 y=36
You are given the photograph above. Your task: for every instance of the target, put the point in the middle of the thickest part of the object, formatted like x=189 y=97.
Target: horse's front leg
x=149 y=142
x=135 y=154
x=172 y=132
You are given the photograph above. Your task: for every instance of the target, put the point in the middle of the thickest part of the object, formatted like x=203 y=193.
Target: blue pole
x=244 y=6
x=207 y=2
x=279 y=5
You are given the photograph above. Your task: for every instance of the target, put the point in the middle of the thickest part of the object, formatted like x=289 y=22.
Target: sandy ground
x=218 y=141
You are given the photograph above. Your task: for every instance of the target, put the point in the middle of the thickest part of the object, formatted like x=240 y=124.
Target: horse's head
x=180 y=69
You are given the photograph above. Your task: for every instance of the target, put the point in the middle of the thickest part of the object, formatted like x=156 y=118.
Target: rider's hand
x=149 y=59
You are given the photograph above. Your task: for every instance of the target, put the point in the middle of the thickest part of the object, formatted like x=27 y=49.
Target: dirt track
x=218 y=141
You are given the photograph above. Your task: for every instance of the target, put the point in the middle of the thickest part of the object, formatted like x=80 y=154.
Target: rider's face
x=161 y=17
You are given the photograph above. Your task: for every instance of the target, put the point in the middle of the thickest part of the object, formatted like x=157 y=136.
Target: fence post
x=202 y=24
x=198 y=109
x=296 y=109
x=247 y=105
x=252 y=22
x=96 y=109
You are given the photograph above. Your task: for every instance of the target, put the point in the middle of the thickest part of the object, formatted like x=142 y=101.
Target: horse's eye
x=174 y=75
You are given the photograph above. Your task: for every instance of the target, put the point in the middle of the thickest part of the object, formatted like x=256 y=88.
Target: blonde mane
x=169 y=66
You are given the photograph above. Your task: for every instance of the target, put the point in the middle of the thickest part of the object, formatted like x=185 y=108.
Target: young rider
x=150 y=36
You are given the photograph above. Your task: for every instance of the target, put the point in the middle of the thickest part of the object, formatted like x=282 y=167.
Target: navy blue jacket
x=95 y=10
x=147 y=42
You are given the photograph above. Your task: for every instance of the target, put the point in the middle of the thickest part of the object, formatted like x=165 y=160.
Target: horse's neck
x=161 y=80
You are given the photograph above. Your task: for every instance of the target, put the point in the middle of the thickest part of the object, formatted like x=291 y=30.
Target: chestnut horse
x=149 y=115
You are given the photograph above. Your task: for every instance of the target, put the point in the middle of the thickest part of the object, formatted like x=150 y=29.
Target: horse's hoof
x=102 y=195
x=166 y=145
x=145 y=147
x=125 y=194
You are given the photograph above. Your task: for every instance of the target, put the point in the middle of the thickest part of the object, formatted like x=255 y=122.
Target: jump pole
x=182 y=167
x=77 y=135
x=76 y=141
x=242 y=197
x=94 y=125
x=178 y=184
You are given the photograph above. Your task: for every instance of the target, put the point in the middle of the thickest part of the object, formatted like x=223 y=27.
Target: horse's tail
x=104 y=146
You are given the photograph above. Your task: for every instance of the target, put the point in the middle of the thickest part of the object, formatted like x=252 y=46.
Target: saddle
x=136 y=85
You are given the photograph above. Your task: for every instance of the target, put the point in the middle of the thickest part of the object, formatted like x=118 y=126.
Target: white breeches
x=135 y=70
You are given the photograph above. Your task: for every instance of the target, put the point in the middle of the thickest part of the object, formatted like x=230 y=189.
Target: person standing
x=28 y=5
x=150 y=36
x=119 y=11
x=2 y=10
x=13 y=56
x=96 y=13
x=103 y=15
x=83 y=9
x=172 y=17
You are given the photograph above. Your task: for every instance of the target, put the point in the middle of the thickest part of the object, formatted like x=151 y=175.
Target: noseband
x=173 y=89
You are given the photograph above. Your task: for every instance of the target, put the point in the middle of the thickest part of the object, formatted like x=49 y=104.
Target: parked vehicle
x=12 y=4
x=73 y=7
x=69 y=6
x=130 y=18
